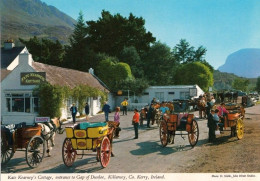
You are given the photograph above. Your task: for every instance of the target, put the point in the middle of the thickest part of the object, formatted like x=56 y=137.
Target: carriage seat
x=9 y=129
x=87 y=130
x=182 y=120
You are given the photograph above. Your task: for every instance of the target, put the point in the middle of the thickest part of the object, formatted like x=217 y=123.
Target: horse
x=202 y=108
x=48 y=131
x=143 y=115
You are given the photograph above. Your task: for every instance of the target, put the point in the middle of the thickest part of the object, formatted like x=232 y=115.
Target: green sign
x=32 y=78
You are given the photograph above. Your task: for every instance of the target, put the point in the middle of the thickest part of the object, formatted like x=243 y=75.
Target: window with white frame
x=22 y=102
x=184 y=95
x=159 y=96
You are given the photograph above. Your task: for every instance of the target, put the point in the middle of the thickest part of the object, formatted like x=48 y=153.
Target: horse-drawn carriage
x=28 y=138
x=234 y=120
x=179 y=120
x=88 y=136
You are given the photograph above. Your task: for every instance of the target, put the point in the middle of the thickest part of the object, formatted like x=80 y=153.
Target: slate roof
x=67 y=77
x=7 y=56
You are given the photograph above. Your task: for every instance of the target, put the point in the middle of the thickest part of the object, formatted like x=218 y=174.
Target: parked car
x=241 y=93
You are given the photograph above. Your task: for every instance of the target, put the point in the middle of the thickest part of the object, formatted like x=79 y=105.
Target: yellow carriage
x=88 y=136
x=234 y=120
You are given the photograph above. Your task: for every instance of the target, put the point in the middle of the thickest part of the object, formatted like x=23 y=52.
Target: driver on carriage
x=163 y=108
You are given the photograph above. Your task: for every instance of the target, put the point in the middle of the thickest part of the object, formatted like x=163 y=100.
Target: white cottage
x=169 y=93
x=18 y=104
x=163 y=93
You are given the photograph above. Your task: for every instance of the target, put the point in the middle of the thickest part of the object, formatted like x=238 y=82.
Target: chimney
x=9 y=44
x=25 y=58
x=91 y=71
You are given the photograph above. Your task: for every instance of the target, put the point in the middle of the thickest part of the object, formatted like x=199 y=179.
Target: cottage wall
x=12 y=84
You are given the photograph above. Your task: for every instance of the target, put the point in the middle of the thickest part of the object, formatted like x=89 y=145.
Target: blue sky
x=221 y=26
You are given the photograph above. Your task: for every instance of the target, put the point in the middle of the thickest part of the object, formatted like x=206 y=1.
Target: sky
x=221 y=26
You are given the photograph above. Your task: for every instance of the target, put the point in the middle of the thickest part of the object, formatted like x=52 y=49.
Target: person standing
x=222 y=115
x=106 y=110
x=211 y=126
x=149 y=115
x=87 y=111
x=153 y=101
x=73 y=111
x=117 y=120
x=136 y=122
x=124 y=104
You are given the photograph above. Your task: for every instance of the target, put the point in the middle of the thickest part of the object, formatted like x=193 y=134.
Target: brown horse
x=202 y=108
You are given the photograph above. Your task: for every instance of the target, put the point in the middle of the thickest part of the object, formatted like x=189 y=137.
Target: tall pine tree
x=77 y=52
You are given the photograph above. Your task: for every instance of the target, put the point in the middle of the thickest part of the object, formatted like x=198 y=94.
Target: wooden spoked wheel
x=68 y=153
x=7 y=151
x=105 y=152
x=240 y=128
x=163 y=133
x=35 y=151
x=194 y=134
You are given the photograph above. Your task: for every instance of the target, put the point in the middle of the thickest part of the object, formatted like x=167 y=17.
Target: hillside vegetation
x=28 y=18
x=224 y=80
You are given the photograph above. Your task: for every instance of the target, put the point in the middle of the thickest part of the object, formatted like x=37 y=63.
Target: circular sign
x=119 y=92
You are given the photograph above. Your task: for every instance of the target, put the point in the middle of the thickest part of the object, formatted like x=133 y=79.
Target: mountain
x=28 y=18
x=244 y=63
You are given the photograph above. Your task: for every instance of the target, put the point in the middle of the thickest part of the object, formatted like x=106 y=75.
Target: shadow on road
x=62 y=168
x=149 y=147
x=11 y=166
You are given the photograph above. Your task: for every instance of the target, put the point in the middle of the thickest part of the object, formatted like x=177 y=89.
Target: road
x=146 y=155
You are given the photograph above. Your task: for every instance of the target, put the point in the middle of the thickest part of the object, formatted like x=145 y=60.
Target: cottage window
x=22 y=102
x=184 y=95
x=159 y=96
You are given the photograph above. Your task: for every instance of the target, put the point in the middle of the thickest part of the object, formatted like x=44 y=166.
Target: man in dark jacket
x=73 y=111
x=211 y=126
x=106 y=110
x=87 y=111
x=150 y=115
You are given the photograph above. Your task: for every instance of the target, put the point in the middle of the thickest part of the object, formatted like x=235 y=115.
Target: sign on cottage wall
x=42 y=119
x=32 y=78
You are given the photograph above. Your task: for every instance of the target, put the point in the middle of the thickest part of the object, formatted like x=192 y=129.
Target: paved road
x=143 y=155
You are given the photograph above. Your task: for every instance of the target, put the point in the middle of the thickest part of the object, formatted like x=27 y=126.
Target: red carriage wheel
x=105 y=152
x=194 y=134
x=68 y=153
x=163 y=133
x=35 y=151
x=7 y=151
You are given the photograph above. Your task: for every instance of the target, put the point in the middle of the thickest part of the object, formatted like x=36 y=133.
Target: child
x=217 y=120
x=117 y=120
x=136 y=122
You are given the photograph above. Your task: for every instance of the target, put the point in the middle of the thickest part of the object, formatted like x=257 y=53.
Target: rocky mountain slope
x=28 y=18
x=244 y=63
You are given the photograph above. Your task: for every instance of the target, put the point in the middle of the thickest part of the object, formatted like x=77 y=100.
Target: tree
x=77 y=53
x=258 y=85
x=50 y=100
x=111 y=72
x=134 y=85
x=45 y=51
x=240 y=84
x=111 y=33
x=159 y=65
x=194 y=73
x=130 y=56
x=184 y=53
